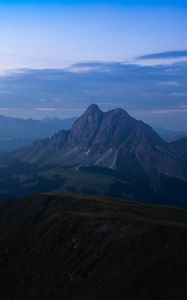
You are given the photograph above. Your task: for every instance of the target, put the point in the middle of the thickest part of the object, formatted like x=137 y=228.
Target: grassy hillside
x=57 y=246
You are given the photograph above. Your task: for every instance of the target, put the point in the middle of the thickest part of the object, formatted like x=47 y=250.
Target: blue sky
x=58 y=34
x=124 y=2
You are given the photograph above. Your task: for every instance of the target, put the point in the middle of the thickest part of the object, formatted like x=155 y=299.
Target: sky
x=48 y=34
x=61 y=35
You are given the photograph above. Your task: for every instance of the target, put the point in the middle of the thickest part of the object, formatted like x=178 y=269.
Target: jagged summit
x=87 y=126
x=111 y=139
x=119 y=110
x=92 y=113
x=93 y=108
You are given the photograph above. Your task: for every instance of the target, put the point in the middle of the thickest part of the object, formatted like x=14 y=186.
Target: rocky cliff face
x=112 y=140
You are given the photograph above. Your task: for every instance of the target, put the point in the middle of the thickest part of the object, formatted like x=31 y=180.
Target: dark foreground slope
x=54 y=246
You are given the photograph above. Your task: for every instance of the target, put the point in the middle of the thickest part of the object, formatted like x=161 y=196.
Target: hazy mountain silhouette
x=18 y=132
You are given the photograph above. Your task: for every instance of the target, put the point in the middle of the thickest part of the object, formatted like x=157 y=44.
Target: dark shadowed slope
x=180 y=146
x=55 y=246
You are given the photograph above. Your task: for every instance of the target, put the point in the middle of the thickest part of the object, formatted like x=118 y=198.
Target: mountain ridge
x=104 y=153
x=18 y=132
x=106 y=139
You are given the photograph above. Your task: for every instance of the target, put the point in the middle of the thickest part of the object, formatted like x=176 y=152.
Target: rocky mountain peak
x=120 y=112
x=87 y=126
x=113 y=140
x=93 y=109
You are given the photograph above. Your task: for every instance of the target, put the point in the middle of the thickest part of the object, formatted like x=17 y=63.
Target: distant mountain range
x=107 y=153
x=16 y=133
x=169 y=135
x=112 y=140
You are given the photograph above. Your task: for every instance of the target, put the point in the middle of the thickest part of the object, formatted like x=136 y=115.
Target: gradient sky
x=57 y=34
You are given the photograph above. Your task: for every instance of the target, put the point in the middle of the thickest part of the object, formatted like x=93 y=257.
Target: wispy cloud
x=164 y=55
x=44 y=108
x=169 y=110
x=68 y=91
x=170 y=83
x=89 y=67
x=178 y=94
x=4 y=108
